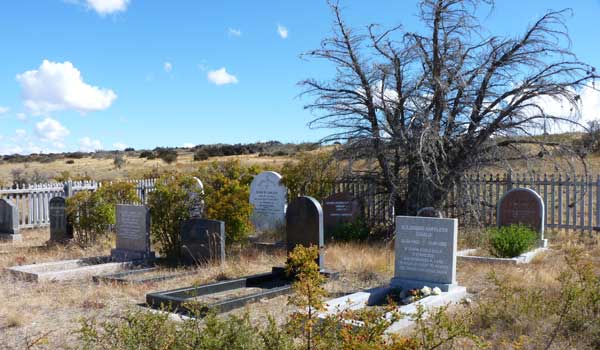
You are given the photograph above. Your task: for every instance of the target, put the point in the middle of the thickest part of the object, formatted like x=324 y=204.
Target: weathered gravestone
x=430 y=212
x=61 y=230
x=195 y=197
x=523 y=206
x=268 y=198
x=304 y=225
x=425 y=253
x=133 y=233
x=9 y=221
x=340 y=208
x=203 y=241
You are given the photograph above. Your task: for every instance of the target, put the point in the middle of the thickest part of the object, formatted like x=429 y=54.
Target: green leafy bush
x=313 y=174
x=227 y=188
x=356 y=231
x=169 y=206
x=511 y=241
x=168 y=155
x=119 y=192
x=90 y=214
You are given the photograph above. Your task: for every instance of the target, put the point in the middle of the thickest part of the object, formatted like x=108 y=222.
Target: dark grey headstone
x=340 y=208
x=196 y=201
x=202 y=241
x=523 y=206
x=425 y=252
x=60 y=228
x=9 y=218
x=68 y=188
x=133 y=233
x=304 y=225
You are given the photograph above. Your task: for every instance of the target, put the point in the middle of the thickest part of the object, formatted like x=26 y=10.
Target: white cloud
x=59 y=86
x=51 y=130
x=168 y=66
x=21 y=116
x=282 y=31
x=86 y=144
x=189 y=145
x=234 y=32
x=20 y=133
x=119 y=146
x=221 y=77
x=4 y=110
x=106 y=7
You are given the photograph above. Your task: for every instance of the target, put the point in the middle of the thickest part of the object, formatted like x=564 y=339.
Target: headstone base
x=405 y=284
x=130 y=255
x=543 y=243
x=10 y=237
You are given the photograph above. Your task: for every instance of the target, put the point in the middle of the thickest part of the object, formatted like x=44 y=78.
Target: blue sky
x=104 y=74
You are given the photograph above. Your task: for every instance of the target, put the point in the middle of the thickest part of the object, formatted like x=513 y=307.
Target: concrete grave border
x=120 y=277
x=525 y=258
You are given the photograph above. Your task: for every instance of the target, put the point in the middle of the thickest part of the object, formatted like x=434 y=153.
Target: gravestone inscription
x=61 y=230
x=195 y=197
x=304 y=225
x=523 y=206
x=203 y=241
x=340 y=208
x=133 y=233
x=9 y=221
x=268 y=198
x=425 y=252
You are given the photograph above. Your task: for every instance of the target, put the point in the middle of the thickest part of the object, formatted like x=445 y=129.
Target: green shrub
x=119 y=161
x=147 y=154
x=90 y=215
x=227 y=188
x=169 y=206
x=356 y=231
x=119 y=192
x=201 y=154
x=311 y=175
x=511 y=241
x=168 y=155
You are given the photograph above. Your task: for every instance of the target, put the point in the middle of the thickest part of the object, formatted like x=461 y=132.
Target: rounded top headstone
x=521 y=206
x=304 y=224
x=268 y=197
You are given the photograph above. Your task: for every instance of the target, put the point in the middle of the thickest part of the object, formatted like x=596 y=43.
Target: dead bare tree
x=429 y=107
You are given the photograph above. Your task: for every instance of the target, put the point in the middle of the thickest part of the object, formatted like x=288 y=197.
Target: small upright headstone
x=9 y=221
x=68 y=189
x=268 y=198
x=340 y=208
x=425 y=252
x=203 y=241
x=195 y=196
x=60 y=228
x=430 y=212
x=133 y=233
x=304 y=225
x=523 y=206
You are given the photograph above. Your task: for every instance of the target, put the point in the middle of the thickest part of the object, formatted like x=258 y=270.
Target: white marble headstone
x=269 y=199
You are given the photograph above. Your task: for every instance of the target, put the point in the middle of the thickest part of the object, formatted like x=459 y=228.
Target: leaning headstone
x=523 y=206
x=430 y=212
x=203 y=241
x=133 y=233
x=268 y=198
x=60 y=229
x=425 y=253
x=195 y=197
x=9 y=221
x=304 y=225
x=340 y=208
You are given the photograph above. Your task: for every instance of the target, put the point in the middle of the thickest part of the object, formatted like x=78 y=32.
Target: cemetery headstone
x=9 y=221
x=425 y=253
x=197 y=204
x=203 y=241
x=304 y=225
x=68 y=189
x=133 y=233
x=523 y=206
x=61 y=230
x=430 y=212
x=340 y=208
x=268 y=198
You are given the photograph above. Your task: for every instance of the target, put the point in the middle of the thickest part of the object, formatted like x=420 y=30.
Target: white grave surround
x=525 y=258
x=269 y=201
x=425 y=256
x=66 y=270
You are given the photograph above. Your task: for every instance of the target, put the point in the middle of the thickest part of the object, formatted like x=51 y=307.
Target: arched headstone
x=197 y=203
x=430 y=212
x=9 y=221
x=268 y=198
x=340 y=208
x=304 y=225
x=60 y=228
x=522 y=206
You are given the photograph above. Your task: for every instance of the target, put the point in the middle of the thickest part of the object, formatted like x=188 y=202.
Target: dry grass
x=51 y=311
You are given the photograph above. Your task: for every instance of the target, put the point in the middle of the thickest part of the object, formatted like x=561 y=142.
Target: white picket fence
x=32 y=200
